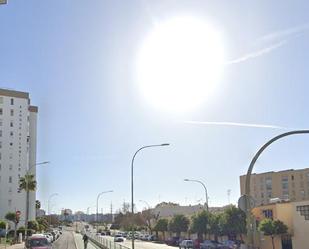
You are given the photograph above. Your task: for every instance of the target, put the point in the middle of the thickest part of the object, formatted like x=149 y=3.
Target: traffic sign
x=243 y=200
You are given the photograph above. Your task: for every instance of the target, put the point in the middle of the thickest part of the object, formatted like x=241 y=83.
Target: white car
x=187 y=243
x=49 y=237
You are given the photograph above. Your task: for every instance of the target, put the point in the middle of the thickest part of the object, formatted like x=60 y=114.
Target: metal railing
x=104 y=242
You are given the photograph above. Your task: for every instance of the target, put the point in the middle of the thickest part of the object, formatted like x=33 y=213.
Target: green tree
x=2 y=224
x=161 y=226
x=43 y=223
x=179 y=223
x=28 y=184
x=216 y=225
x=272 y=228
x=33 y=225
x=201 y=224
x=11 y=216
x=234 y=222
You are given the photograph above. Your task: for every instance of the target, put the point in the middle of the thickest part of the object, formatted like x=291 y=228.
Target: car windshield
x=38 y=242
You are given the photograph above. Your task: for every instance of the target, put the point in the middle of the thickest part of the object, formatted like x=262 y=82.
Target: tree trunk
x=27 y=212
x=272 y=241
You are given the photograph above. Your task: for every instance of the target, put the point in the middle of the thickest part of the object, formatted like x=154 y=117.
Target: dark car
x=173 y=241
x=37 y=243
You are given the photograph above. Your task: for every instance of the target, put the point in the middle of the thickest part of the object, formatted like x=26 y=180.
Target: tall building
x=292 y=185
x=17 y=151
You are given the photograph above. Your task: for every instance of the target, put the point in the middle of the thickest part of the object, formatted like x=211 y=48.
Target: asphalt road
x=65 y=241
x=139 y=244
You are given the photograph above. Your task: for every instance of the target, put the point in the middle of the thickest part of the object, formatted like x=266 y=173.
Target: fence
x=104 y=242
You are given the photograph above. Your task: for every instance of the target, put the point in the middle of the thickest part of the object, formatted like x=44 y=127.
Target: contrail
x=257 y=53
x=280 y=34
x=236 y=124
x=277 y=39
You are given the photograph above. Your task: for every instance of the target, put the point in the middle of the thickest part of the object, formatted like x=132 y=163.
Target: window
x=268 y=182
x=11 y=144
x=0 y=133
x=285 y=182
x=12 y=112
x=12 y=101
x=10 y=203
x=268 y=213
x=1 y=111
x=0 y=144
x=10 y=179
x=11 y=167
x=1 y=100
x=11 y=133
x=292 y=177
x=11 y=124
x=269 y=194
x=302 y=194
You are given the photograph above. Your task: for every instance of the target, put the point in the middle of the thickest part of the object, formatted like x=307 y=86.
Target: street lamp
x=206 y=195
x=27 y=178
x=132 y=181
x=145 y=203
x=98 y=202
x=48 y=205
x=250 y=223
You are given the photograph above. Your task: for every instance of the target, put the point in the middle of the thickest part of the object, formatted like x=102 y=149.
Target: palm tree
x=27 y=183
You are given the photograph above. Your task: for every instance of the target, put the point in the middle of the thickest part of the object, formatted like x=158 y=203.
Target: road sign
x=3 y=1
x=242 y=203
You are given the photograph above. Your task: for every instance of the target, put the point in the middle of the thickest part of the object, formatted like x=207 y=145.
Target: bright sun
x=180 y=63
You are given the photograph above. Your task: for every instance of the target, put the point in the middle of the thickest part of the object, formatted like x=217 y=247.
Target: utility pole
x=228 y=196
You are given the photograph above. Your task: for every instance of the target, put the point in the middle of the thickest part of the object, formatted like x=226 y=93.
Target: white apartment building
x=17 y=151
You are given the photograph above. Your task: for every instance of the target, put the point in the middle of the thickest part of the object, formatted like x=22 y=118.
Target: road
x=138 y=244
x=65 y=241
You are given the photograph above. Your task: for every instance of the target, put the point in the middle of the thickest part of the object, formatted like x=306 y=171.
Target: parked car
x=208 y=244
x=196 y=243
x=37 y=242
x=187 y=243
x=152 y=237
x=228 y=244
x=49 y=237
x=173 y=241
x=118 y=238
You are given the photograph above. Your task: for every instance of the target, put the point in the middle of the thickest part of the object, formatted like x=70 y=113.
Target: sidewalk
x=80 y=243
x=17 y=246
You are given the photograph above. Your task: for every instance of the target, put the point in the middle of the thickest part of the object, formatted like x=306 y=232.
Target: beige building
x=293 y=214
x=288 y=185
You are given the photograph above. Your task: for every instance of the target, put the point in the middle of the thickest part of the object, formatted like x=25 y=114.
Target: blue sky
x=76 y=58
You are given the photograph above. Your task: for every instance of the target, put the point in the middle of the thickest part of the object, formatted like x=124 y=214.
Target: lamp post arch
x=248 y=179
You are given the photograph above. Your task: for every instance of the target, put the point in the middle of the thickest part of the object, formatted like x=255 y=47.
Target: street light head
x=166 y=144
x=186 y=180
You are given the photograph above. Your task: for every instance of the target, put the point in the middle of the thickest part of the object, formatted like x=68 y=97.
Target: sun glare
x=180 y=63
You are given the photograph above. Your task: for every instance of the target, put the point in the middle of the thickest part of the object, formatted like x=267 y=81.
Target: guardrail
x=105 y=243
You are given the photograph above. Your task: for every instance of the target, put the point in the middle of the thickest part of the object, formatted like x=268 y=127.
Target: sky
x=77 y=60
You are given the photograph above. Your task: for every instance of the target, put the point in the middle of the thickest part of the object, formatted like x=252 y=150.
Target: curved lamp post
x=250 y=223
x=104 y=192
x=204 y=186
x=132 y=180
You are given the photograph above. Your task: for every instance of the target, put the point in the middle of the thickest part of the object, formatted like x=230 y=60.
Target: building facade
x=17 y=151
x=288 y=185
x=295 y=215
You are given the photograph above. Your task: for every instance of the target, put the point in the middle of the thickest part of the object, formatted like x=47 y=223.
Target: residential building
x=168 y=210
x=295 y=215
x=17 y=151
x=288 y=185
